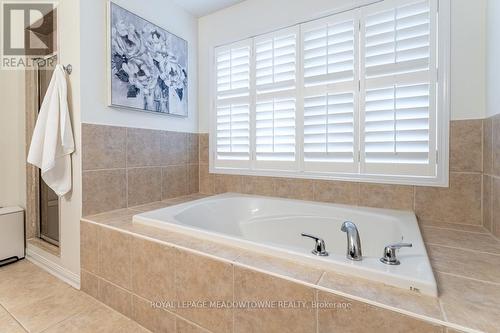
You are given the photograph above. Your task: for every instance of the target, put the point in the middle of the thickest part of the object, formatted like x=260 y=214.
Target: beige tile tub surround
x=491 y=160
x=125 y=167
x=206 y=270
x=253 y=286
x=362 y=317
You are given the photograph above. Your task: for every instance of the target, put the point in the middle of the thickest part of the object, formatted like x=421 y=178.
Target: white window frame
x=441 y=178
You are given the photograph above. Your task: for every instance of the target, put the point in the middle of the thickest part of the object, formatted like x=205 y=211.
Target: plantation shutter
x=330 y=93
x=398 y=104
x=276 y=99
x=232 y=105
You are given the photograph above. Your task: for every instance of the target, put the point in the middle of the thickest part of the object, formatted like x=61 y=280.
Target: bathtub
x=273 y=226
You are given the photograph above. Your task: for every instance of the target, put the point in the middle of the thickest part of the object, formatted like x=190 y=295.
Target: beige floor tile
x=378 y=292
x=348 y=316
x=251 y=286
x=46 y=312
x=8 y=324
x=481 y=266
x=101 y=319
x=470 y=303
x=24 y=281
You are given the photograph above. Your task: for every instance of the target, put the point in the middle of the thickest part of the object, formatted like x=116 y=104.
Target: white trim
x=443 y=84
x=347 y=177
x=40 y=258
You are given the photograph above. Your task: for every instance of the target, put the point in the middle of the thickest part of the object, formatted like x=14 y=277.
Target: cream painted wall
x=493 y=58
x=253 y=17
x=167 y=15
x=468 y=57
x=12 y=139
x=71 y=204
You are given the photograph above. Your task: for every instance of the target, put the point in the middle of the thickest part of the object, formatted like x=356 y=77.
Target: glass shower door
x=49 y=201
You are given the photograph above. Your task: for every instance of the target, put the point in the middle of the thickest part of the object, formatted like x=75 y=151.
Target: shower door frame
x=33 y=178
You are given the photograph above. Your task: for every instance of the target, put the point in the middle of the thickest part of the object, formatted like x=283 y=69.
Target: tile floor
x=31 y=300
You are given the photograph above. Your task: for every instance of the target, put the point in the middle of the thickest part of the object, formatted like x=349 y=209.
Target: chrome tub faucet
x=353 y=241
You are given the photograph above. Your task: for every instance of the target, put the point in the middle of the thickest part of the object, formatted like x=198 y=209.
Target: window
x=360 y=95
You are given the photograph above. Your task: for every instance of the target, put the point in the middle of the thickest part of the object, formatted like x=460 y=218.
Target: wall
x=93 y=54
x=12 y=141
x=126 y=167
x=493 y=58
x=239 y=22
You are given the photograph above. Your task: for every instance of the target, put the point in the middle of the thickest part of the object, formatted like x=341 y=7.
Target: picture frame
x=147 y=66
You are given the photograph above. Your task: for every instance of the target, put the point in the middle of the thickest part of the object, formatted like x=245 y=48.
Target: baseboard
x=53 y=268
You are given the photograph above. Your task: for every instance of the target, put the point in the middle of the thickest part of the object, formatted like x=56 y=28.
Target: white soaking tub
x=274 y=226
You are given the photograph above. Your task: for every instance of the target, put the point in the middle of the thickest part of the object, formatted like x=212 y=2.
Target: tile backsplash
x=124 y=167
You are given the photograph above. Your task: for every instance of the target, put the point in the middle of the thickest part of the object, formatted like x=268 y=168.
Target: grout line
x=485 y=232
x=462 y=249
x=441 y=307
x=234 y=299
x=470 y=278
x=316 y=299
x=320 y=278
x=15 y=319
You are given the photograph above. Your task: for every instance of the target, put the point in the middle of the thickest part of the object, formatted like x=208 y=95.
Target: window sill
x=434 y=181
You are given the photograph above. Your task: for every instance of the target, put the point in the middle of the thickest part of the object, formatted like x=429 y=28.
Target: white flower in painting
x=126 y=40
x=155 y=42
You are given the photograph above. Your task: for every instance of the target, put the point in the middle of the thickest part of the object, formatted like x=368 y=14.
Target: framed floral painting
x=147 y=65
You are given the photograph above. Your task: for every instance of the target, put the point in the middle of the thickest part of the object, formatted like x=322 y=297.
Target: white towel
x=52 y=142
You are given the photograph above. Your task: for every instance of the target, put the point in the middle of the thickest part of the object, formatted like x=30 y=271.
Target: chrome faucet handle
x=389 y=257
x=319 y=247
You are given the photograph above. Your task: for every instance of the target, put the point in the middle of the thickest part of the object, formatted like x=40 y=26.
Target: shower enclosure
x=42 y=208
x=49 y=201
